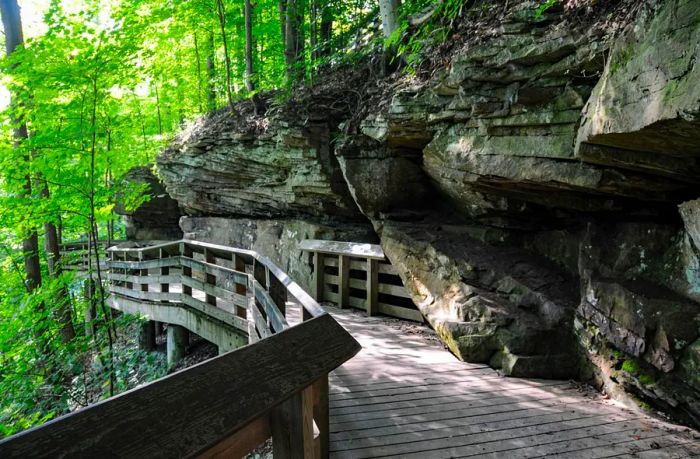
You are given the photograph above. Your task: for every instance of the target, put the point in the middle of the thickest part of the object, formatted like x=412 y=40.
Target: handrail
x=305 y=300
x=226 y=406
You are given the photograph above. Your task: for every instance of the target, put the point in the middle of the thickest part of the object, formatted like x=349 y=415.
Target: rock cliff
x=538 y=192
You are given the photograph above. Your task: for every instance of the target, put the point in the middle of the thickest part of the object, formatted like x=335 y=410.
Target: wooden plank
x=164 y=273
x=439 y=396
x=395 y=290
x=137 y=279
x=463 y=426
x=148 y=296
x=473 y=443
x=372 y=287
x=185 y=252
x=387 y=268
x=229 y=277
x=351 y=249
x=253 y=379
x=400 y=312
x=225 y=295
x=554 y=410
x=343 y=281
x=292 y=427
x=355 y=265
x=146 y=264
x=444 y=412
x=322 y=415
x=242 y=442
x=260 y=323
x=278 y=321
x=318 y=280
x=210 y=278
x=214 y=312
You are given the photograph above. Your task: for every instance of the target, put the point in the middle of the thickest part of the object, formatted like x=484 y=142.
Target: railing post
x=186 y=252
x=164 y=271
x=322 y=416
x=372 y=286
x=319 y=276
x=250 y=296
x=143 y=273
x=344 y=281
x=210 y=278
x=127 y=272
x=292 y=425
x=239 y=265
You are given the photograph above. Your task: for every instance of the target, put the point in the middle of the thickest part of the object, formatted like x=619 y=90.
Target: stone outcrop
x=538 y=199
x=646 y=102
x=497 y=305
x=155 y=219
x=218 y=167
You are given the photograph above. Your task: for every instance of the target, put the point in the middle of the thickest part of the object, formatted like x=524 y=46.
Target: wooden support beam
x=292 y=426
x=129 y=285
x=242 y=442
x=210 y=278
x=322 y=416
x=147 y=336
x=178 y=339
x=253 y=335
x=164 y=271
x=372 y=286
x=319 y=275
x=143 y=273
x=186 y=251
x=344 y=281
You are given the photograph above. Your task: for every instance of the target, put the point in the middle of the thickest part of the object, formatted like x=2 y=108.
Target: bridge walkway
x=405 y=396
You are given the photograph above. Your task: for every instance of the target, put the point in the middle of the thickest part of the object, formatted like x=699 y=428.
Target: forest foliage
x=101 y=90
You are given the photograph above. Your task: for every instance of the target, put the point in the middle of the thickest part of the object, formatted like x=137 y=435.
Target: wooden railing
x=276 y=386
x=359 y=276
x=75 y=255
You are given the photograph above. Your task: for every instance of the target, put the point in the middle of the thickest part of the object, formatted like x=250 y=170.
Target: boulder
x=491 y=304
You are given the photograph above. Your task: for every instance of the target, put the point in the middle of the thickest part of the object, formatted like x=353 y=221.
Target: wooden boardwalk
x=405 y=396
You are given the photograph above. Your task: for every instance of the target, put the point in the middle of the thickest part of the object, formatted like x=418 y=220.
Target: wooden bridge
x=403 y=395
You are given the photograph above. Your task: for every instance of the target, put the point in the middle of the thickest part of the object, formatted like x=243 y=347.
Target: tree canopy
x=97 y=88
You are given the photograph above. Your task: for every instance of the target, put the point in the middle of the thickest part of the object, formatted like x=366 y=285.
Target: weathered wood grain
x=187 y=413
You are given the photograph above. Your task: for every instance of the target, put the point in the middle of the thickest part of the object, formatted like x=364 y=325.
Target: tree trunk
x=313 y=30
x=282 y=8
x=326 y=30
x=294 y=51
x=52 y=245
x=221 y=11
x=389 y=11
x=199 y=71
x=12 y=23
x=249 y=46
x=211 y=74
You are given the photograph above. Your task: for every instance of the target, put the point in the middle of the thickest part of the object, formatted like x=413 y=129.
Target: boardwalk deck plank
x=406 y=396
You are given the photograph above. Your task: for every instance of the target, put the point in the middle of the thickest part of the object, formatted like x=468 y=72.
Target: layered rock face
x=538 y=196
x=218 y=167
